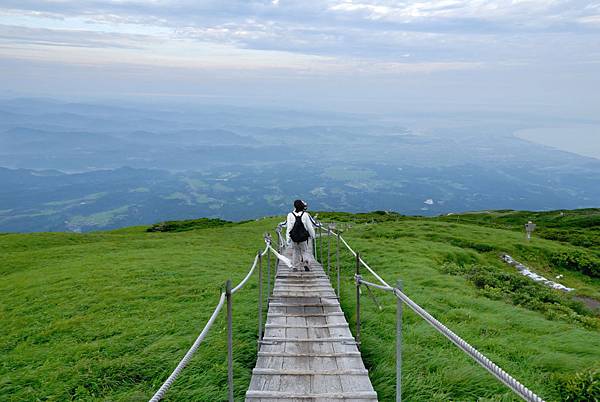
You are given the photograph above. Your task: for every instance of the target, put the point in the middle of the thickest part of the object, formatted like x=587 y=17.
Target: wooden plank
x=313 y=340
x=326 y=315
x=306 y=325
x=301 y=373
x=323 y=396
x=339 y=354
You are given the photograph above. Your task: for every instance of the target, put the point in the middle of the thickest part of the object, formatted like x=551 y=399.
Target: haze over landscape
x=122 y=113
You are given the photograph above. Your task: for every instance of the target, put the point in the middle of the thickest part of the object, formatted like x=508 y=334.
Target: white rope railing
x=283 y=258
x=486 y=363
x=190 y=353
x=243 y=282
x=365 y=264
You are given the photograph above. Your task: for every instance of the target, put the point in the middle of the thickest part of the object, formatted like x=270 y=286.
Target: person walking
x=299 y=231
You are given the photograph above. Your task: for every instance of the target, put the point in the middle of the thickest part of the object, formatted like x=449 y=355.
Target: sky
x=371 y=56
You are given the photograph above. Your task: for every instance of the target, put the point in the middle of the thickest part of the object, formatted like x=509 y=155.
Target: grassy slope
x=522 y=342
x=108 y=315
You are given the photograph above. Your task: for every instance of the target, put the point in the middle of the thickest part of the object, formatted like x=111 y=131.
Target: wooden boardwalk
x=308 y=352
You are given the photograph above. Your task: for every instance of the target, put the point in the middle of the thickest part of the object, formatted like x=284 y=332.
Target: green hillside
x=107 y=315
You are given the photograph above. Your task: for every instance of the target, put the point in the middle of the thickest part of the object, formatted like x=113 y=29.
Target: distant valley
x=80 y=167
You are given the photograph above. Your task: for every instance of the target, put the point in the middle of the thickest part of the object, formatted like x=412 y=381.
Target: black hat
x=300 y=205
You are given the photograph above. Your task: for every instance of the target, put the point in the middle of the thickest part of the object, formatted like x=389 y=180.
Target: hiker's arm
x=308 y=223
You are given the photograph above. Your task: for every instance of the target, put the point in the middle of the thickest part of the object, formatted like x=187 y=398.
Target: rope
x=486 y=363
x=242 y=283
x=283 y=258
x=190 y=353
x=365 y=264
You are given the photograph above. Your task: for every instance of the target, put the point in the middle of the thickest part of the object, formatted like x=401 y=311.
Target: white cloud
x=363 y=39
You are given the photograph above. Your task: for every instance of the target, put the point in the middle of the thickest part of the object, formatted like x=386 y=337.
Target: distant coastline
x=581 y=139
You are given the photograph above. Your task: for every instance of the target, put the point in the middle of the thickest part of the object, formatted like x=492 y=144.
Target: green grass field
x=107 y=315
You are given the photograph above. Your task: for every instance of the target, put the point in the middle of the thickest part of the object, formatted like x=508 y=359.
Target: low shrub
x=577 y=260
x=190 y=224
x=579 y=387
x=522 y=291
x=577 y=238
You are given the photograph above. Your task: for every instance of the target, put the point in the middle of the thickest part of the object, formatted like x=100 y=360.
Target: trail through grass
x=108 y=315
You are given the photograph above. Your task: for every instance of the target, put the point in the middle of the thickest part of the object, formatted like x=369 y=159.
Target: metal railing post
x=229 y=340
x=337 y=264
x=399 y=344
x=321 y=245
x=260 y=298
x=328 y=251
x=358 y=300
x=268 y=276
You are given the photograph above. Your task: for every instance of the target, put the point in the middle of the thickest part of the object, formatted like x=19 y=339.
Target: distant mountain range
x=84 y=167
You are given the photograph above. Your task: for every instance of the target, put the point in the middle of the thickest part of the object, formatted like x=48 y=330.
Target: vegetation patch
x=577 y=260
x=367 y=217
x=579 y=387
x=190 y=224
x=580 y=227
x=521 y=291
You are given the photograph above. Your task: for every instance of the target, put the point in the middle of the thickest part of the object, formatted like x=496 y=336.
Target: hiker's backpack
x=299 y=233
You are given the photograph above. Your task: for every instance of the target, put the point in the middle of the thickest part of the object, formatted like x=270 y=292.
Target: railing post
x=260 y=298
x=358 y=300
x=268 y=276
x=328 y=250
x=337 y=263
x=321 y=245
x=399 y=344
x=229 y=340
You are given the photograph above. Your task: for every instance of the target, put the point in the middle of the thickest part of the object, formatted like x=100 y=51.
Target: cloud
x=328 y=40
x=19 y=35
x=441 y=32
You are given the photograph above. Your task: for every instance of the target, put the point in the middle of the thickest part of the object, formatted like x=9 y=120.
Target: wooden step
x=315 y=340
x=277 y=304
x=264 y=371
x=282 y=395
x=339 y=325
x=330 y=314
x=310 y=354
